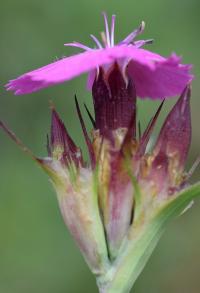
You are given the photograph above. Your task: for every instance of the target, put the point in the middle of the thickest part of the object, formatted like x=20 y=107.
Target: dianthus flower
x=117 y=205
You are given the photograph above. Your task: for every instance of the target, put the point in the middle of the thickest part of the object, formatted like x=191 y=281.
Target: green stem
x=140 y=243
x=131 y=262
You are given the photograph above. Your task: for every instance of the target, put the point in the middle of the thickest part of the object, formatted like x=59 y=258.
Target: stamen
x=113 y=31
x=103 y=37
x=97 y=42
x=107 y=30
x=78 y=45
x=133 y=35
x=141 y=43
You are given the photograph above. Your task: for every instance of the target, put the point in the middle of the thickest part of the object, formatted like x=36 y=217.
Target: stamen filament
x=97 y=42
x=134 y=34
x=103 y=37
x=112 y=36
x=141 y=43
x=107 y=30
x=78 y=45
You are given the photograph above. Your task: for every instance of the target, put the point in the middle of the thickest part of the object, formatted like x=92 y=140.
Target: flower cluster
x=117 y=205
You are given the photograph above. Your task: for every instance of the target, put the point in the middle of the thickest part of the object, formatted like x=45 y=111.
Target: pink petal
x=167 y=79
x=60 y=71
x=153 y=75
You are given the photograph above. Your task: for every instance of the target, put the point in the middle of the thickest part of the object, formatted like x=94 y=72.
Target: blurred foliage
x=37 y=253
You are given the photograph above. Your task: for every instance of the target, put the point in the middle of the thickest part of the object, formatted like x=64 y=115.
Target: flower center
x=108 y=37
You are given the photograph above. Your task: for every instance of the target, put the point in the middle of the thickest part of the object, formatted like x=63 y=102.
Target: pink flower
x=152 y=75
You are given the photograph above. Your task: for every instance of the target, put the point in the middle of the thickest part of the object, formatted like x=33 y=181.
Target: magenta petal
x=60 y=71
x=168 y=77
x=153 y=75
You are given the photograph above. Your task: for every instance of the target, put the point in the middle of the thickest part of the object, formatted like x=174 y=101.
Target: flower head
x=117 y=206
x=152 y=75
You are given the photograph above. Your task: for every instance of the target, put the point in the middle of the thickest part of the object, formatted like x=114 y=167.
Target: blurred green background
x=37 y=254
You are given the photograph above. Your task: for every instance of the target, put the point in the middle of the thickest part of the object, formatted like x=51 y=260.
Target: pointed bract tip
x=148 y=131
x=90 y=116
x=57 y=130
x=175 y=135
x=86 y=136
x=61 y=144
x=14 y=138
x=185 y=98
